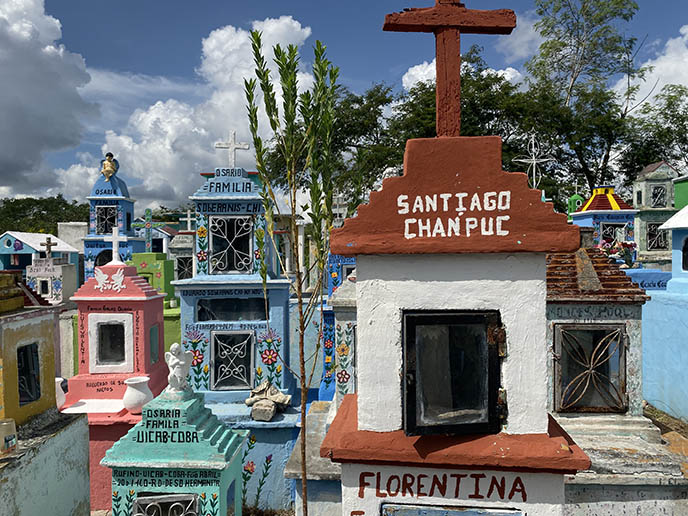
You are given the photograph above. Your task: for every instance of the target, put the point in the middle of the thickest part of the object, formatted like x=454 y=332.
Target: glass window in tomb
x=231 y=243
x=165 y=505
x=106 y=219
x=232 y=360
x=611 y=233
x=28 y=374
x=110 y=344
x=656 y=238
x=452 y=372
x=590 y=368
x=231 y=309
x=659 y=196
x=184 y=267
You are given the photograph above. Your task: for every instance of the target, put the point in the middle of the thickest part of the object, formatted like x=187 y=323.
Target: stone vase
x=137 y=394
x=60 y=397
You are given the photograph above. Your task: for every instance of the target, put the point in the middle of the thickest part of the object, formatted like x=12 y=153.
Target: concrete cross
x=116 y=238
x=232 y=146
x=48 y=244
x=188 y=219
x=148 y=225
x=447 y=20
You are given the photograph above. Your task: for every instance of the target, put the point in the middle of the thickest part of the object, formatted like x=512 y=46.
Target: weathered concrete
x=67 y=344
x=49 y=470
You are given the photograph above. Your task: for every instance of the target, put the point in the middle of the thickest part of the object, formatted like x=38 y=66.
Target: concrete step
x=610 y=425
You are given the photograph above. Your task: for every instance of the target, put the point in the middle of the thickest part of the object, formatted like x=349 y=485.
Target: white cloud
x=668 y=67
x=41 y=107
x=523 y=42
x=426 y=72
x=418 y=73
x=163 y=146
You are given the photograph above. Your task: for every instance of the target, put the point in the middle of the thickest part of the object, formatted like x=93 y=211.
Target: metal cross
x=148 y=225
x=116 y=238
x=232 y=146
x=188 y=219
x=447 y=20
x=533 y=160
x=48 y=244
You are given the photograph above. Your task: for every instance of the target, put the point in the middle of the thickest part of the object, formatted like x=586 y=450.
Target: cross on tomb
x=116 y=238
x=148 y=225
x=447 y=20
x=232 y=146
x=188 y=219
x=48 y=244
x=534 y=158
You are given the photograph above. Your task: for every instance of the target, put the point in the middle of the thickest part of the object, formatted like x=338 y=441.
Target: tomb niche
x=119 y=337
x=450 y=292
x=239 y=340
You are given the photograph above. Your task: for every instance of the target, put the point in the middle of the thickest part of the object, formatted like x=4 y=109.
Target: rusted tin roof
x=586 y=276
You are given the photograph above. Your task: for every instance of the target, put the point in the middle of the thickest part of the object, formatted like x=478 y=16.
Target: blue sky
x=158 y=82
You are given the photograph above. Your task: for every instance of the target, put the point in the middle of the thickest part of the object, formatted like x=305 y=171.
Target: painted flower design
x=342 y=350
x=250 y=466
x=259 y=370
x=202 y=256
x=343 y=376
x=252 y=439
x=256 y=253
x=269 y=356
x=197 y=357
x=158 y=274
x=334 y=275
x=18 y=245
x=202 y=232
x=268 y=458
x=279 y=369
x=328 y=360
x=328 y=374
x=194 y=335
x=143 y=265
x=205 y=368
x=328 y=344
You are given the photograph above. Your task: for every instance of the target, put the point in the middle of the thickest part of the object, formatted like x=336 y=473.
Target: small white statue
x=179 y=364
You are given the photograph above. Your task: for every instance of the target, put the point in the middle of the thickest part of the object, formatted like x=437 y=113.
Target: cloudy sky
x=159 y=82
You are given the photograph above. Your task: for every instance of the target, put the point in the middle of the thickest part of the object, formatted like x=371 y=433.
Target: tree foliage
x=40 y=215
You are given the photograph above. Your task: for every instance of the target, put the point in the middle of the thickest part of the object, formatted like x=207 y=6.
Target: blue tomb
x=238 y=339
x=110 y=205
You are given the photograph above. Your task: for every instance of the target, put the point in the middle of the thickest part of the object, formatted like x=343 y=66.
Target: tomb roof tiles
x=586 y=276
x=605 y=199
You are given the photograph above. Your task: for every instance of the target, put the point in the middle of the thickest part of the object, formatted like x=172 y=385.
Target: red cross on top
x=447 y=20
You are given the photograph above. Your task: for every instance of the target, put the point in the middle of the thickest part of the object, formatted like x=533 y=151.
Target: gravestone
x=55 y=279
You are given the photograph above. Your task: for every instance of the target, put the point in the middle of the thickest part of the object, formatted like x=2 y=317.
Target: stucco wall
x=365 y=489
x=665 y=354
x=513 y=284
x=24 y=329
x=620 y=499
x=51 y=478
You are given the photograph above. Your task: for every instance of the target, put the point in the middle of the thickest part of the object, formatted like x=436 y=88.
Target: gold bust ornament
x=109 y=166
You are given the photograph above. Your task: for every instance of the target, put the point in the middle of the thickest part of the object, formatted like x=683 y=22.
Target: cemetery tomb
x=55 y=279
x=653 y=197
x=238 y=339
x=452 y=281
x=120 y=337
x=610 y=216
x=110 y=207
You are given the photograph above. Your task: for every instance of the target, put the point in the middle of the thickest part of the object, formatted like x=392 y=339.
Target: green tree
x=303 y=139
x=40 y=215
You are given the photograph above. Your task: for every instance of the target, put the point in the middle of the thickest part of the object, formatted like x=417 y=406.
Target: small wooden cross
x=48 y=244
x=188 y=219
x=116 y=238
x=447 y=20
x=232 y=146
x=148 y=225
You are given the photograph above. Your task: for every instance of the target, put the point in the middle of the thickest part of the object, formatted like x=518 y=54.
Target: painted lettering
x=445 y=201
x=438 y=230
x=461 y=197
x=518 y=487
x=439 y=485
x=362 y=483
x=407 y=482
x=419 y=485
x=402 y=204
x=378 y=493
x=504 y=201
x=418 y=204
x=500 y=231
x=471 y=223
x=499 y=486
x=393 y=491
x=475 y=203
x=423 y=227
x=457 y=477
x=490 y=201
x=407 y=233
x=476 y=493
x=453 y=226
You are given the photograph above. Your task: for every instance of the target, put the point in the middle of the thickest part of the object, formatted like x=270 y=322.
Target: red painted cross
x=447 y=20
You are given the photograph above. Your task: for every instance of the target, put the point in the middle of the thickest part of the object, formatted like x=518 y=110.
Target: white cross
x=115 y=239
x=536 y=158
x=232 y=146
x=188 y=219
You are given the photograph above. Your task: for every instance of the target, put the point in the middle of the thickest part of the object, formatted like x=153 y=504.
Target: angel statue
x=109 y=166
x=179 y=364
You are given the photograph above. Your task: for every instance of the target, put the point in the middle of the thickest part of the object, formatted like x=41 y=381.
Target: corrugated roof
x=586 y=276
x=604 y=199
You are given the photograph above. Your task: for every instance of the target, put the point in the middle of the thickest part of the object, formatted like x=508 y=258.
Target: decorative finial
x=534 y=159
x=109 y=166
x=179 y=364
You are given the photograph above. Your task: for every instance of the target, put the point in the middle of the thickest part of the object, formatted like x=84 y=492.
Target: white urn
x=137 y=394
x=60 y=397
